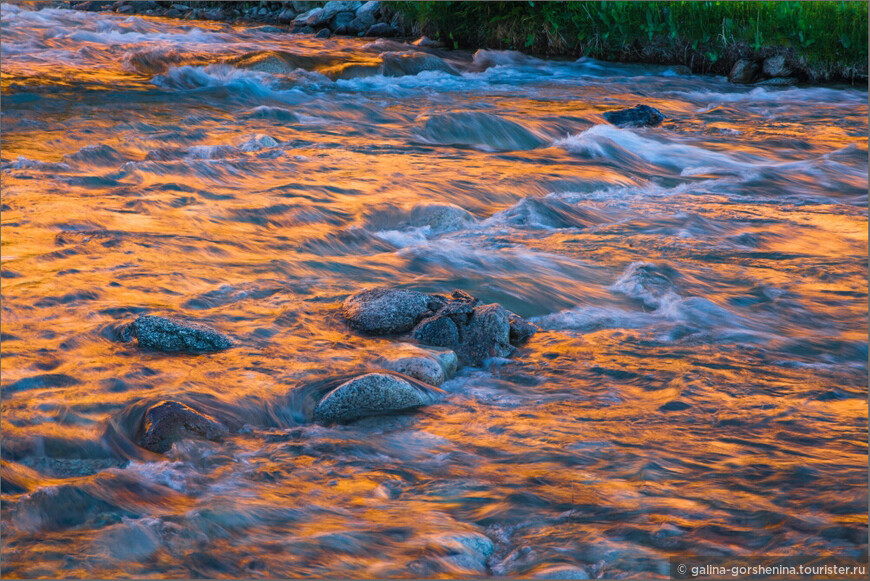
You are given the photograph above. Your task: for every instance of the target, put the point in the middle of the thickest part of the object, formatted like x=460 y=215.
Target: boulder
x=342 y=19
x=426 y=42
x=439 y=331
x=637 y=116
x=400 y=64
x=170 y=335
x=371 y=394
x=776 y=66
x=381 y=29
x=333 y=8
x=302 y=6
x=314 y=18
x=425 y=369
x=520 y=329
x=744 y=71
x=323 y=33
x=486 y=335
x=366 y=17
x=383 y=311
x=287 y=15
x=170 y=421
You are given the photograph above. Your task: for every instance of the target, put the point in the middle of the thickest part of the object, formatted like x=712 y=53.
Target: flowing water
x=698 y=386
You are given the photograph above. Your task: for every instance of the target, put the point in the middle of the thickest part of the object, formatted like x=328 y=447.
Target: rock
x=172 y=13
x=214 y=14
x=287 y=15
x=438 y=331
x=303 y=6
x=333 y=8
x=778 y=82
x=449 y=362
x=637 y=116
x=441 y=217
x=744 y=71
x=486 y=335
x=163 y=334
x=562 y=572
x=64 y=506
x=776 y=66
x=314 y=18
x=342 y=19
x=323 y=33
x=371 y=394
x=381 y=29
x=369 y=10
x=520 y=329
x=426 y=42
x=479 y=129
x=91 y=6
x=126 y=9
x=385 y=311
x=306 y=30
x=170 y=421
x=425 y=369
x=400 y=64
x=394 y=357
x=468 y=551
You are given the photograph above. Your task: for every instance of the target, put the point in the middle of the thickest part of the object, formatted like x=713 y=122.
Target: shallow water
x=699 y=385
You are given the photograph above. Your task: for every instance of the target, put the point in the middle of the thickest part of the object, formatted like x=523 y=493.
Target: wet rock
x=776 y=66
x=399 y=64
x=744 y=71
x=520 y=329
x=91 y=6
x=381 y=29
x=385 y=311
x=561 y=572
x=365 y=18
x=468 y=551
x=56 y=508
x=163 y=334
x=342 y=19
x=426 y=42
x=486 y=335
x=371 y=394
x=425 y=369
x=477 y=129
x=778 y=82
x=439 y=331
x=170 y=421
x=323 y=33
x=637 y=116
x=308 y=17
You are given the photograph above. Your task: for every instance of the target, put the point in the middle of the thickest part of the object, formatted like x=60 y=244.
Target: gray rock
x=163 y=334
x=333 y=8
x=776 y=66
x=371 y=394
x=778 y=82
x=400 y=64
x=479 y=129
x=425 y=369
x=426 y=42
x=302 y=19
x=637 y=116
x=744 y=71
x=306 y=30
x=486 y=335
x=287 y=15
x=385 y=311
x=441 y=217
x=341 y=19
x=520 y=329
x=301 y=6
x=381 y=29
x=438 y=331
x=315 y=18
x=170 y=421
x=369 y=10
x=323 y=33
x=468 y=551
x=449 y=362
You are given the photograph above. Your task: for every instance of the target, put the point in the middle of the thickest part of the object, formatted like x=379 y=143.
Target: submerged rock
x=562 y=572
x=400 y=64
x=381 y=29
x=778 y=82
x=170 y=421
x=637 y=116
x=483 y=130
x=744 y=71
x=170 y=335
x=383 y=311
x=371 y=394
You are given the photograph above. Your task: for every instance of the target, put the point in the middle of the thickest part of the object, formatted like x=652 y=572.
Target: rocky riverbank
x=766 y=66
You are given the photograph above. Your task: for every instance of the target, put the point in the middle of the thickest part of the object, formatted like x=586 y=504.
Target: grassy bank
x=822 y=40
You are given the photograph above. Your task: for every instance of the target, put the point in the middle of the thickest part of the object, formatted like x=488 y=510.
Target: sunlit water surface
x=698 y=387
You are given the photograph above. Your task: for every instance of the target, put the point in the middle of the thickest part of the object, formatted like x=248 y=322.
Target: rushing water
x=698 y=387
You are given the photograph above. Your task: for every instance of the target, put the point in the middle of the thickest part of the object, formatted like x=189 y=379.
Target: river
x=698 y=385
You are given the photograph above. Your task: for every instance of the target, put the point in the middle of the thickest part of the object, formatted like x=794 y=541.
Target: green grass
x=828 y=40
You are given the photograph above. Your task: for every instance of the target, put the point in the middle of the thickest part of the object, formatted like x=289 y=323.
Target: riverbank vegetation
x=822 y=40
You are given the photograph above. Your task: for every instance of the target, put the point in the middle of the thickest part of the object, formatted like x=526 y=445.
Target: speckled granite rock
x=170 y=335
